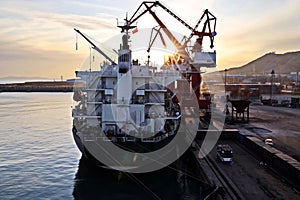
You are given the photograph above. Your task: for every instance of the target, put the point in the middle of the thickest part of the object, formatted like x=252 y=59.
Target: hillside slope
x=280 y=63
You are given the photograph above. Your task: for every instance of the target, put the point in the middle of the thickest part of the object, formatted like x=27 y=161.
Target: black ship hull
x=138 y=147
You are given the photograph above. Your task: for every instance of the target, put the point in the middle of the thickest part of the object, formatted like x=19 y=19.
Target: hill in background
x=280 y=63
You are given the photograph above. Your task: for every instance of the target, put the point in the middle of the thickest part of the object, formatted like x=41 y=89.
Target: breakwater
x=44 y=86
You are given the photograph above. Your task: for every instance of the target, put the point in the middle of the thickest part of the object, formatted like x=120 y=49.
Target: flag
x=135 y=30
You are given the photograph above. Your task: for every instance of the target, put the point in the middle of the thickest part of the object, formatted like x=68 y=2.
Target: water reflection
x=92 y=182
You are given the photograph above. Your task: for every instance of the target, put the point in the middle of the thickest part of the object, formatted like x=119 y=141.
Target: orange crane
x=210 y=24
x=208 y=30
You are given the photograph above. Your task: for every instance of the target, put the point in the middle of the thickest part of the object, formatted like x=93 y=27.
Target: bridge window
x=124 y=58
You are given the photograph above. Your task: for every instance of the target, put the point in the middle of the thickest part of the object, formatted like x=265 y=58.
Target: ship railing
x=154 y=103
x=91 y=138
x=155 y=90
x=155 y=97
x=130 y=139
x=87 y=116
x=173 y=118
x=106 y=139
x=121 y=139
x=94 y=102
x=148 y=139
x=92 y=81
x=133 y=139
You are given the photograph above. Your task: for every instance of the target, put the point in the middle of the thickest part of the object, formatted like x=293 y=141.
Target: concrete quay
x=258 y=170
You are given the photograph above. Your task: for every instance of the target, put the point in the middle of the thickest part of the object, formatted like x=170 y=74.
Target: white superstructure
x=129 y=101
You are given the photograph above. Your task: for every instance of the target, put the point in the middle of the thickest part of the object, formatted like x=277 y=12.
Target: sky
x=37 y=37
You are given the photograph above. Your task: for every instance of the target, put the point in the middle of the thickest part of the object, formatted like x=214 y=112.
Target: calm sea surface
x=38 y=158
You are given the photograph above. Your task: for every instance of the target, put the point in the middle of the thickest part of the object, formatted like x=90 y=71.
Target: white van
x=269 y=142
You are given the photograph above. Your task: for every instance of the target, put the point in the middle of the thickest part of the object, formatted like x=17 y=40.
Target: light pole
x=271 y=93
x=297 y=80
x=225 y=79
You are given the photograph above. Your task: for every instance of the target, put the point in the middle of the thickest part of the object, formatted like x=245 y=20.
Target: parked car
x=269 y=141
x=285 y=103
x=224 y=152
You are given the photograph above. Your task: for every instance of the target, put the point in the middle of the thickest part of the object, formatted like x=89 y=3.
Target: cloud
x=33 y=32
x=36 y=41
x=33 y=43
x=99 y=5
x=29 y=62
x=22 y=23
x=254 y=28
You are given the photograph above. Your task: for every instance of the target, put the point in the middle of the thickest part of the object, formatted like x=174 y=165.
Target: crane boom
x=95 y=47
x=154 y=4
x=149 y=5
x=200 y=34
x=211 y=33
x=157 y=29
x=180 y=47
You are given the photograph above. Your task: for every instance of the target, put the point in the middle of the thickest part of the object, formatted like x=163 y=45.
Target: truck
x=224 y=152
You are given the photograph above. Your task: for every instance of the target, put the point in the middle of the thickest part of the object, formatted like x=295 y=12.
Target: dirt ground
x=282 y=124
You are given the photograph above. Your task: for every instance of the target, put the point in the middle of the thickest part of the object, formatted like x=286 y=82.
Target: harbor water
x=38 y=156
x=39 y=159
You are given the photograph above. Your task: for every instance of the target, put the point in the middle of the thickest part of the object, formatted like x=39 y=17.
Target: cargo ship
x=138 y=118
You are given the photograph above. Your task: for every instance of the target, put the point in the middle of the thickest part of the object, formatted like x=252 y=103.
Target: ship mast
x=125 y=28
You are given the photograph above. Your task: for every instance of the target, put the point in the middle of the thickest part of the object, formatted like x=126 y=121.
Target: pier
x=257 y=169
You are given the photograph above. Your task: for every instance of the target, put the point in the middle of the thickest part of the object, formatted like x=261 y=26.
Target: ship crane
x=95 y=47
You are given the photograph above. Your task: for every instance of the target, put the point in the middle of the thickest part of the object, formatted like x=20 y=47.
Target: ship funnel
x=125 y=42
